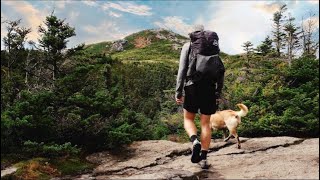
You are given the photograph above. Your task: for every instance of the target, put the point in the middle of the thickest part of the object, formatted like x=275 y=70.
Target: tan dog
x=228 y=119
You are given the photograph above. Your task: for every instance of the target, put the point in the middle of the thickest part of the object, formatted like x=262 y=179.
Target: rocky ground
x=259 y=158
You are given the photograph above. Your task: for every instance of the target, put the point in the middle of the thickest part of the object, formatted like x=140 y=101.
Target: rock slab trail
x=259 y=158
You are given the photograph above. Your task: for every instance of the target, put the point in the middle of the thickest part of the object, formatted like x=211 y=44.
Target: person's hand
x=180 y=100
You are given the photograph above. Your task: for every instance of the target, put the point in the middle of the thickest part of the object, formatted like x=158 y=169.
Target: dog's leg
x=227 y=139
x=224 y=133
x=239 y=145
x=235 y=134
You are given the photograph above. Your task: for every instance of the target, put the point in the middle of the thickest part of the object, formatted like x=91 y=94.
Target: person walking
x=196 y=91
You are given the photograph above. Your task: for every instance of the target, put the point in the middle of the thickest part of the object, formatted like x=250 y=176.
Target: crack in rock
x=296 y=142
x=110 y=172
x=159 y=161
x=227 y=144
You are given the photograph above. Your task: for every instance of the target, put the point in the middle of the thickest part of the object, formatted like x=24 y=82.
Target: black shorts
x=200 y=95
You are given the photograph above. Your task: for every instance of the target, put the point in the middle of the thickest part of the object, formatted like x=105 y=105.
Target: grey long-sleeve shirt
x=182 y=73
x=183 y=68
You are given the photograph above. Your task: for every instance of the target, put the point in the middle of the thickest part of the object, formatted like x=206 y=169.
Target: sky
x=95 y=21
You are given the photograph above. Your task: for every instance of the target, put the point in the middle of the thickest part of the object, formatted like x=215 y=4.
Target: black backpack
x=204 y=43
x=205 y=62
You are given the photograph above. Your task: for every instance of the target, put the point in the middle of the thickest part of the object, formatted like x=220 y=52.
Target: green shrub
x=50 y=150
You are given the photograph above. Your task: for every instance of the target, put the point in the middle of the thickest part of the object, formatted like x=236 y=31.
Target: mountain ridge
x=150 y=45
x=136 y=39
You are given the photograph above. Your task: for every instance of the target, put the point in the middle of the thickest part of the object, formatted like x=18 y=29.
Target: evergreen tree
x=248 y=47
x=54 y=40
x=292 y=38
x=12 y=62
x=265 y=47
x=14 y=43
x=278 y=35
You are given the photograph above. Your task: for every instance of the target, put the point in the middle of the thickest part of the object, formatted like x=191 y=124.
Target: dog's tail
x=243 y=110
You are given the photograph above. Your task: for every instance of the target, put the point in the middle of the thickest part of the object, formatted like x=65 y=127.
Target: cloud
x=111 y=13
x=107 y=30
x=90 y=3
x=129 y=7
x=92 y=29
x=3 y=18
x=242 y=22
x=61 y=4
x=3 y=28
x=31 y=17
x=174 y=23
x=313 y=2
x=269 y=8
x=73 y=15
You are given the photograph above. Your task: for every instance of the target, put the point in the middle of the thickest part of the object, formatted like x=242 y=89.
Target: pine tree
x=278 y=35
x=14 y=42
x=248 y=47
x=291 y=37
x=265 y=47
x=54 y=40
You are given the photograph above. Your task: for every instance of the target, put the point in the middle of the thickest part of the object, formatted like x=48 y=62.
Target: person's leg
x=205 y=131
x=191 y=130
x=205 y=140
x=207 y=107
x=189 y=125
x=207 y=104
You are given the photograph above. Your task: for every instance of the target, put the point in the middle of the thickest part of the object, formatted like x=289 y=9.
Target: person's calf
x=205 y=131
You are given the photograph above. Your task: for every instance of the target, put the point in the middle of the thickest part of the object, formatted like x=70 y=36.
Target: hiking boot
x=204 y=164
x=195 y=157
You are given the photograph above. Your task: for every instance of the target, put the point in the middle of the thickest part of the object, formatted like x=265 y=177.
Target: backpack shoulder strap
x=188 y=55
x=189 y=49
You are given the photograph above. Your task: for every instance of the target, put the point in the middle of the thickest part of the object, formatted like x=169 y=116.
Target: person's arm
x=182 y=72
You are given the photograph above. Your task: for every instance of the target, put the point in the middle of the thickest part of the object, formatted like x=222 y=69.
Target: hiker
x=201 y=88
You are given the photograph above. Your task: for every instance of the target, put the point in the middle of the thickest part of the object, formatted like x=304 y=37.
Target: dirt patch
x=141 y=42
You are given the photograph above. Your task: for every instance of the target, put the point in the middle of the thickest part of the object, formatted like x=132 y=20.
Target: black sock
x=204 y=154
x=193 y=137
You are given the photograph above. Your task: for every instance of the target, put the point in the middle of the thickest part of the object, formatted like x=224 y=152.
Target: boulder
x=118 y=45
